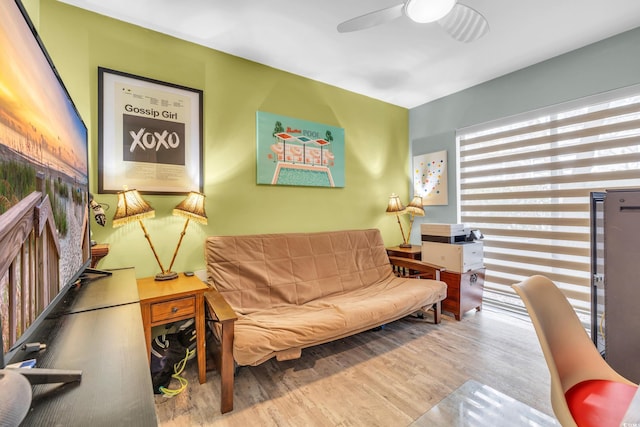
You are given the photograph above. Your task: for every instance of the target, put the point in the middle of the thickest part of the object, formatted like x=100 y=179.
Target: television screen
x=44 y=226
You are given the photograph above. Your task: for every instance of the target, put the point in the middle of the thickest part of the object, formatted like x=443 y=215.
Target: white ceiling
x=401 y=62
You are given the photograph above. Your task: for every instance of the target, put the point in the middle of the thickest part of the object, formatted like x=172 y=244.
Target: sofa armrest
x=222 y=313
x=406 y=267
x=219 y=307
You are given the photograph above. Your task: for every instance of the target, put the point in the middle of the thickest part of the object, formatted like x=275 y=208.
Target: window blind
x=525 y=182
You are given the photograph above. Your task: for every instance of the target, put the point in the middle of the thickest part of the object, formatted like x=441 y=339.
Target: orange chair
x=585 y=390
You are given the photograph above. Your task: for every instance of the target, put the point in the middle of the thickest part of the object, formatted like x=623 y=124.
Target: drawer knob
x=174 y=309
x=474 y=278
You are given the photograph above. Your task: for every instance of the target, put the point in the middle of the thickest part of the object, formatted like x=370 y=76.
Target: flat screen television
x=44 y=192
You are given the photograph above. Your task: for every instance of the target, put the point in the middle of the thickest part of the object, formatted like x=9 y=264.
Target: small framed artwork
x=298 y=152
x=149 y=135
x=430 y=178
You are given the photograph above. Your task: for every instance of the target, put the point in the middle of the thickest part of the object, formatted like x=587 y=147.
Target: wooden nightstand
x=168 y=301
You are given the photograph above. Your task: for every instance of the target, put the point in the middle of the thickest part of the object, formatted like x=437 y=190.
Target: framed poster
x=298 y=152
x=149 y=135
x=430 y=178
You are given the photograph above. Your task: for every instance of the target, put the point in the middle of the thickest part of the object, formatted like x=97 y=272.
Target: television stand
x=99 y=333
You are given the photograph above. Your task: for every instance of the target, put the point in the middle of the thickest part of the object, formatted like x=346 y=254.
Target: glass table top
x=474 y=404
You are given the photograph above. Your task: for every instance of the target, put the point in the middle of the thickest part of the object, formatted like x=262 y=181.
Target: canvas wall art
x=430 y=178
x=298 y=152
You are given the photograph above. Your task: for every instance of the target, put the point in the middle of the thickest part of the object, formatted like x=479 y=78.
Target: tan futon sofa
x=276 y=294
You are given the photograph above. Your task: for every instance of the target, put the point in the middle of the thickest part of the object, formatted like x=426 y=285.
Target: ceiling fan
x=461 y=22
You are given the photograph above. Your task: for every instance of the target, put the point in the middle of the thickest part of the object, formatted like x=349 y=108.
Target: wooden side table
x=98 y=252
x=414 y=252
x=168 y=301
x=398 y=256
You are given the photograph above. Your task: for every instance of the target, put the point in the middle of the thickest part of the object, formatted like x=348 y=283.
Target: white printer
x=446 y=245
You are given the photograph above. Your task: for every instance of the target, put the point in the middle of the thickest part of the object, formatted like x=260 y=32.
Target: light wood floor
x=382 y=378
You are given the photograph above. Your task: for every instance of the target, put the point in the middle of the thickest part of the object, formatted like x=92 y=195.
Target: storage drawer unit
x=464 y=291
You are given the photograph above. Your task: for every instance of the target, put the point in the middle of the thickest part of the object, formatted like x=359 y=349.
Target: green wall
x=603 y=66
x=376 y=135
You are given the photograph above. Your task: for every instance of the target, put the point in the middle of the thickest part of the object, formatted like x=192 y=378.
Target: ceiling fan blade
x=464 y=23
x=371 y=19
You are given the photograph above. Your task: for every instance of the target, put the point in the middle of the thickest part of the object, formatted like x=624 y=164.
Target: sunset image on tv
x=43 y=149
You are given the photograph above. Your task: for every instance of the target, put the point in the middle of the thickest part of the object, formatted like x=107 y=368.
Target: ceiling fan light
x=423 y=11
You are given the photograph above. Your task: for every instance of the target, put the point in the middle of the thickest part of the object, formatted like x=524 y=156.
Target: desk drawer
x=174 y=309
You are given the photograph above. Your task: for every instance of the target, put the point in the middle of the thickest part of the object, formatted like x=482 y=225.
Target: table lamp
x=414 y=208
x=16 y=396
x=192 y=208
x=396 y=208
x=132 y=207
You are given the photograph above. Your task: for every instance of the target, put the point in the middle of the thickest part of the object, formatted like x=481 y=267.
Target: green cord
x=177 y=369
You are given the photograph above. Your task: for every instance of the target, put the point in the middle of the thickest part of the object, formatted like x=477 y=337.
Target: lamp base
x=405 y=245
x=169 y=275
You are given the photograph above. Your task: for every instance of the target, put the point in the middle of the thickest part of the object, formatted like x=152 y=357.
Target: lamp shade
x=15 y=399
x=131 y=207
x=395 y=206
x=192 y=208
x=415 y=206
x=424 y=11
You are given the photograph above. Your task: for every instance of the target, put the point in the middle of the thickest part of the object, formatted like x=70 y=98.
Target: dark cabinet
x=464 y=291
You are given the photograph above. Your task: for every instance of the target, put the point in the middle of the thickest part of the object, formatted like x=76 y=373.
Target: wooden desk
x=105 y=291
x=168 y=301
x=98 y=252
x=104 y=341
